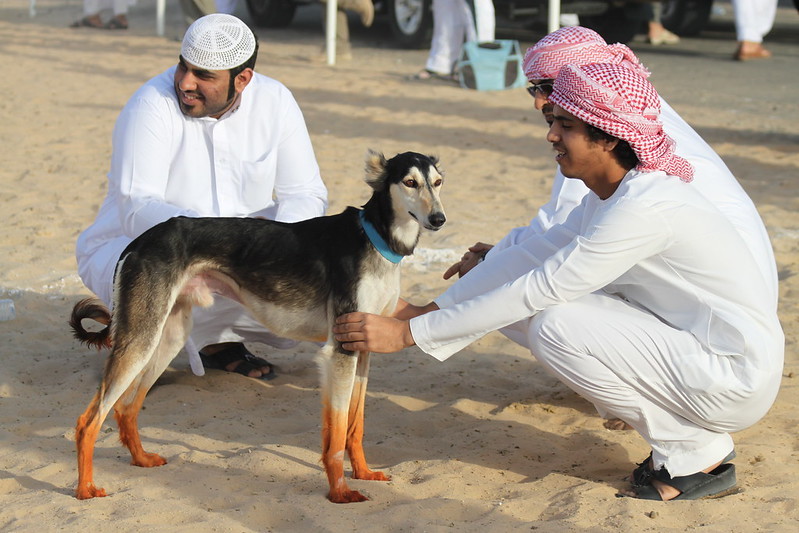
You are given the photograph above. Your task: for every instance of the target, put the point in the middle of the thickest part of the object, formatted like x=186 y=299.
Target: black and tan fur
x=295 y=278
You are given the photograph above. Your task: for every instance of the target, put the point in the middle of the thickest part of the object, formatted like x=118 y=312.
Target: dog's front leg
x=360 y=470
x=338 y=376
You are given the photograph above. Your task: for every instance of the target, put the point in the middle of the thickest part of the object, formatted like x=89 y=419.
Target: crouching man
x=646 y=301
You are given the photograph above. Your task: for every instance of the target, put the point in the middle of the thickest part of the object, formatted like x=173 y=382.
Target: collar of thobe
x=377 y=241
x=233 y=108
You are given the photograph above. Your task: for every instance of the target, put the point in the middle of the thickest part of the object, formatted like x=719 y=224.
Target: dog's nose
x=437 y=219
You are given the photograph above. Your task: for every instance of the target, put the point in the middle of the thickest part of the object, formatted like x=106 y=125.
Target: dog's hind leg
x=360 y=470
x=86 y=431
x=120 y=373
x=126 y=409
x=129 y=368
x=338 y=374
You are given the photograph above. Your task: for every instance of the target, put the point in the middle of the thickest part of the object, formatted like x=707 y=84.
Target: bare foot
x=617 y=424
x=749 y=50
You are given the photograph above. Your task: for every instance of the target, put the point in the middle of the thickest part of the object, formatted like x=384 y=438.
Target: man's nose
x=186 y=81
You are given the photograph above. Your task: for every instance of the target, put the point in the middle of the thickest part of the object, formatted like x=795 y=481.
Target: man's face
x=577 y=154
x=540 y=91
x=202 y=93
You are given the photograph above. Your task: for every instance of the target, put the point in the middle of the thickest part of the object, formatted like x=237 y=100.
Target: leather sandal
x=643 y=473
x=238 y=353
x=719 y=482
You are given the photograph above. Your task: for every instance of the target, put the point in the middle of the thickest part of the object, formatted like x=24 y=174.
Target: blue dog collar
x=377 y=241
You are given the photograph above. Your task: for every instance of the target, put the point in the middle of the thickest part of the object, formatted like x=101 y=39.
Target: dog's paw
x=89 y=491
x=148 y=460
x=346 y=496
x=370 y=475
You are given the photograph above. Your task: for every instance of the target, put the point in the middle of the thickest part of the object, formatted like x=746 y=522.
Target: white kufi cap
x=218 y=42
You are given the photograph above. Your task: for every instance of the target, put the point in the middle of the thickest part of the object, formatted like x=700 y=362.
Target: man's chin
x=190 y=111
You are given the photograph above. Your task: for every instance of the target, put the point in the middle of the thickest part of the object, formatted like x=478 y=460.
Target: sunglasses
x=545 y=88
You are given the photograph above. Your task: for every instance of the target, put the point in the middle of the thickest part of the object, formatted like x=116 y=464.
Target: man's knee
x=549 y=329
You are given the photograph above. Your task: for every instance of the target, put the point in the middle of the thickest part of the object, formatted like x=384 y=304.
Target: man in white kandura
x=207 y=138
x=582 y=46
x=646 y=300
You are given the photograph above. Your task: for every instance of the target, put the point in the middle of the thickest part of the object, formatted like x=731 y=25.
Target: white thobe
x=712 y=179
x=648 y=304
x=454 y=24
x=94 y=7
x=256 y=160
x=754 y=19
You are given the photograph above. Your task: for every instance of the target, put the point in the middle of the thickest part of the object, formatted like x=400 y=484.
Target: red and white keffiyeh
x=622 y=103
x=575 y=45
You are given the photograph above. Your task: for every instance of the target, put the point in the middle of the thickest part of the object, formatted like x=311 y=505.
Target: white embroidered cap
x=218 y=42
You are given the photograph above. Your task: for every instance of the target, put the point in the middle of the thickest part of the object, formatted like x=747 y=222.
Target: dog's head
x=413 y=181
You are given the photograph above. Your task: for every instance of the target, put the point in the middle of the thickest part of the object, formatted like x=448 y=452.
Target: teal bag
x=491 y=65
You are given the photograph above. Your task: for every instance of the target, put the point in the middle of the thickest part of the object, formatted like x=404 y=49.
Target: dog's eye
x=438 y=183
x=411 y=184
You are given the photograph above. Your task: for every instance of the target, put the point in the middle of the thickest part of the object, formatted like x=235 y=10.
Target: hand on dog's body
x=379 y=334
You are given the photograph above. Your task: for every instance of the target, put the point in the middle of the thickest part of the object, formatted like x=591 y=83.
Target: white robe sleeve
x=299 y=190
x=566 y=195
x=617 y=239
x=141 y=157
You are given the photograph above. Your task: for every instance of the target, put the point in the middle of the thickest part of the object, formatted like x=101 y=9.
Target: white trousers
x=754 y=19
x=119 y=7
x=226 y=6
x=453 y=24
x=683 y=400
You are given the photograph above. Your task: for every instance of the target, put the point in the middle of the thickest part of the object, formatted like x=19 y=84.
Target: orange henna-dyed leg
x=127 y=420
x=333 y=440
x=360 y=470
x=86 y=432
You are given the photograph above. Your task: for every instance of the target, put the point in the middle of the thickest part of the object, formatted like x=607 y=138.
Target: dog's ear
x=375 y=169
x=434 y=159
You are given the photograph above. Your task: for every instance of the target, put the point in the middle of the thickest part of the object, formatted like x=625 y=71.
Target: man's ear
x=243 y=79
x=610 y=144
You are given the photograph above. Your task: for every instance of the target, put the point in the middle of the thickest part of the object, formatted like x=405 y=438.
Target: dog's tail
x=94 y=309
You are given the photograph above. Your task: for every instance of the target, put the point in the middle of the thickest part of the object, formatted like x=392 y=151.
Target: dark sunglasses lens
x=544 y=88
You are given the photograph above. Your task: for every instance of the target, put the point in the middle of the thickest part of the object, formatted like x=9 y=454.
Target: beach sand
x=486 y=441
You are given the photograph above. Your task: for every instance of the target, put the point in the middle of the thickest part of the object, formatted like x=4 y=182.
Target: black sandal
x=643 y=473
x=238 y=353
x=717 y=483
x=87 y=22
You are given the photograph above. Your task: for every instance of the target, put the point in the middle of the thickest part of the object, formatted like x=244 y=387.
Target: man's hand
x=365 y=332
x=469 y=260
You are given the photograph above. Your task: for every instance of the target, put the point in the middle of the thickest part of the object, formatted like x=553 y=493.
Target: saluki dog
x=294 y=278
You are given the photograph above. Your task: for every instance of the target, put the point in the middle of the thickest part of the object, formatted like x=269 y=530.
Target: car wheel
x=686 y=17
x=411 y=22
x=271 y=13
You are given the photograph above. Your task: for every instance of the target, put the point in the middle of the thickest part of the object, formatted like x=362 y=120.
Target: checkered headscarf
x=625 y=105
x=575 y=45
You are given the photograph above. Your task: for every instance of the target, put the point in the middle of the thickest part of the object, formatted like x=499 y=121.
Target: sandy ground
x=484 y=442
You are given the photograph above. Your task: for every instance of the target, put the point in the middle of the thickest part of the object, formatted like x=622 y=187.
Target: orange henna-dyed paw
x=347 y=496
x=371 y=476
x=88 y=492
x=148 y=460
